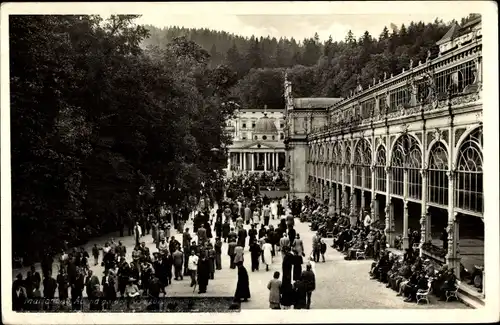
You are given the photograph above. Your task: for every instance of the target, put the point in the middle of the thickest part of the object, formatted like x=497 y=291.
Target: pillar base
x=454 y=263
x=353 y=219
x=389 y=235
x=406 y=242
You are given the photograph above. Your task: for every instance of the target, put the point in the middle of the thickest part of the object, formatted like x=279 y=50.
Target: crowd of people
x=409 y=274
x=243 y=223
x=296 y=285
x=249 y=185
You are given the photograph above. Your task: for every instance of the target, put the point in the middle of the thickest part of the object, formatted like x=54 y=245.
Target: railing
x=348 y=112
x=455 y=102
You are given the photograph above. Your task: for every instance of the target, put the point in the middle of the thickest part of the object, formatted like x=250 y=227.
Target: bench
x=453 y=293
x=423 y=295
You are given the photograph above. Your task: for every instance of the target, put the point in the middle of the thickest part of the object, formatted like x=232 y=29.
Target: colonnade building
x=408 y=150
x=258 y=145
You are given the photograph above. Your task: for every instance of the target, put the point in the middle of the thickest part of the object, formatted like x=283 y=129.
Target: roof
x=318 y=102
x=265 y=125
x=273 y=110
x=450 y=35
x=472 y=22
x=257 y=144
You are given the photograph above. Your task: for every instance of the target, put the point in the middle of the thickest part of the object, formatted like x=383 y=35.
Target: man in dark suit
x=108 y=289
x=242 y=235
x=186 y=247
x=49 y=290
x=310 y=280
x=90 y=282
x=202 y=235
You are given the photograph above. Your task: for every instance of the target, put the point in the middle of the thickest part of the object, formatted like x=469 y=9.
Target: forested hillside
x=317 y=69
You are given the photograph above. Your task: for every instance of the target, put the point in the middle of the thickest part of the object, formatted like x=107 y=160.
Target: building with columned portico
x=408 y=150
x=258 y=136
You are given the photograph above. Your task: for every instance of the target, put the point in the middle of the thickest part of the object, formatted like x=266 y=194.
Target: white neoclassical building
x=408 y=149
x=258 y=136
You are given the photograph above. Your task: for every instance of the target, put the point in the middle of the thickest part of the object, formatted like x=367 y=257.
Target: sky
x=278 y=19
x=333 y=19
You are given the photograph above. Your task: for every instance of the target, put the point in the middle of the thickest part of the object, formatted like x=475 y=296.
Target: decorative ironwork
x=469 y=186
x=407 y=155
x=438 y=179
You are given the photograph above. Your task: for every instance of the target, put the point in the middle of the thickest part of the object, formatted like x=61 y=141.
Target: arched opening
x=380 y=173
x=469 y=185
x=406 y=158
x=347 y=162
x=437 y=193
x=362 y=162
x=406 y=154
x=469 y=202
x=437 y=188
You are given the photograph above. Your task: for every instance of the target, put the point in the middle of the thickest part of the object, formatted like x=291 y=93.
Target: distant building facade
x=408 y=149
x=258 y=136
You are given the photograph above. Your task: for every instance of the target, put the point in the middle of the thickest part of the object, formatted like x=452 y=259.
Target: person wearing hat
x=429 y=268
x=131 y=291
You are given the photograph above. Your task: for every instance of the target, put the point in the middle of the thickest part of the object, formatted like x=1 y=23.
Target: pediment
x=259 y=145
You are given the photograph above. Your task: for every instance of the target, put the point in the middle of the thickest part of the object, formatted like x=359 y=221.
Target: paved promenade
x=339 y=283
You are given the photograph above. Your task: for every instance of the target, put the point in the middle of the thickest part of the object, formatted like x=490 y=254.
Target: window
x=469 y=181
x=367 y=108
x=264 y=137
x=362 y=161
x=244 y=125
x=382 y=102
x=274 y=138
x=282 y=136
x=253 y=125
x=256 y=138
x=244 y=137
x=460 y=76
x=438 y=180
x=407 y=154
x=400 y=96
x=282 y=125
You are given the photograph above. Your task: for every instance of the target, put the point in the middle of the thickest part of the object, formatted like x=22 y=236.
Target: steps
x=470 y=297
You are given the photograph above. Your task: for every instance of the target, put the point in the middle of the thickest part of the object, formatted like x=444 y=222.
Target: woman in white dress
x=256 y=216
x=274 y=209
x=268 y=256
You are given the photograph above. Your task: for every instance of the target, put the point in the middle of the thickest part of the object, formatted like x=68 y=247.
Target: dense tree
x=103 y=130
x=261 y=87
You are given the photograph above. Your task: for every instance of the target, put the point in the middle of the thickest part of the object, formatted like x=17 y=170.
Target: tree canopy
x=320 y=69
